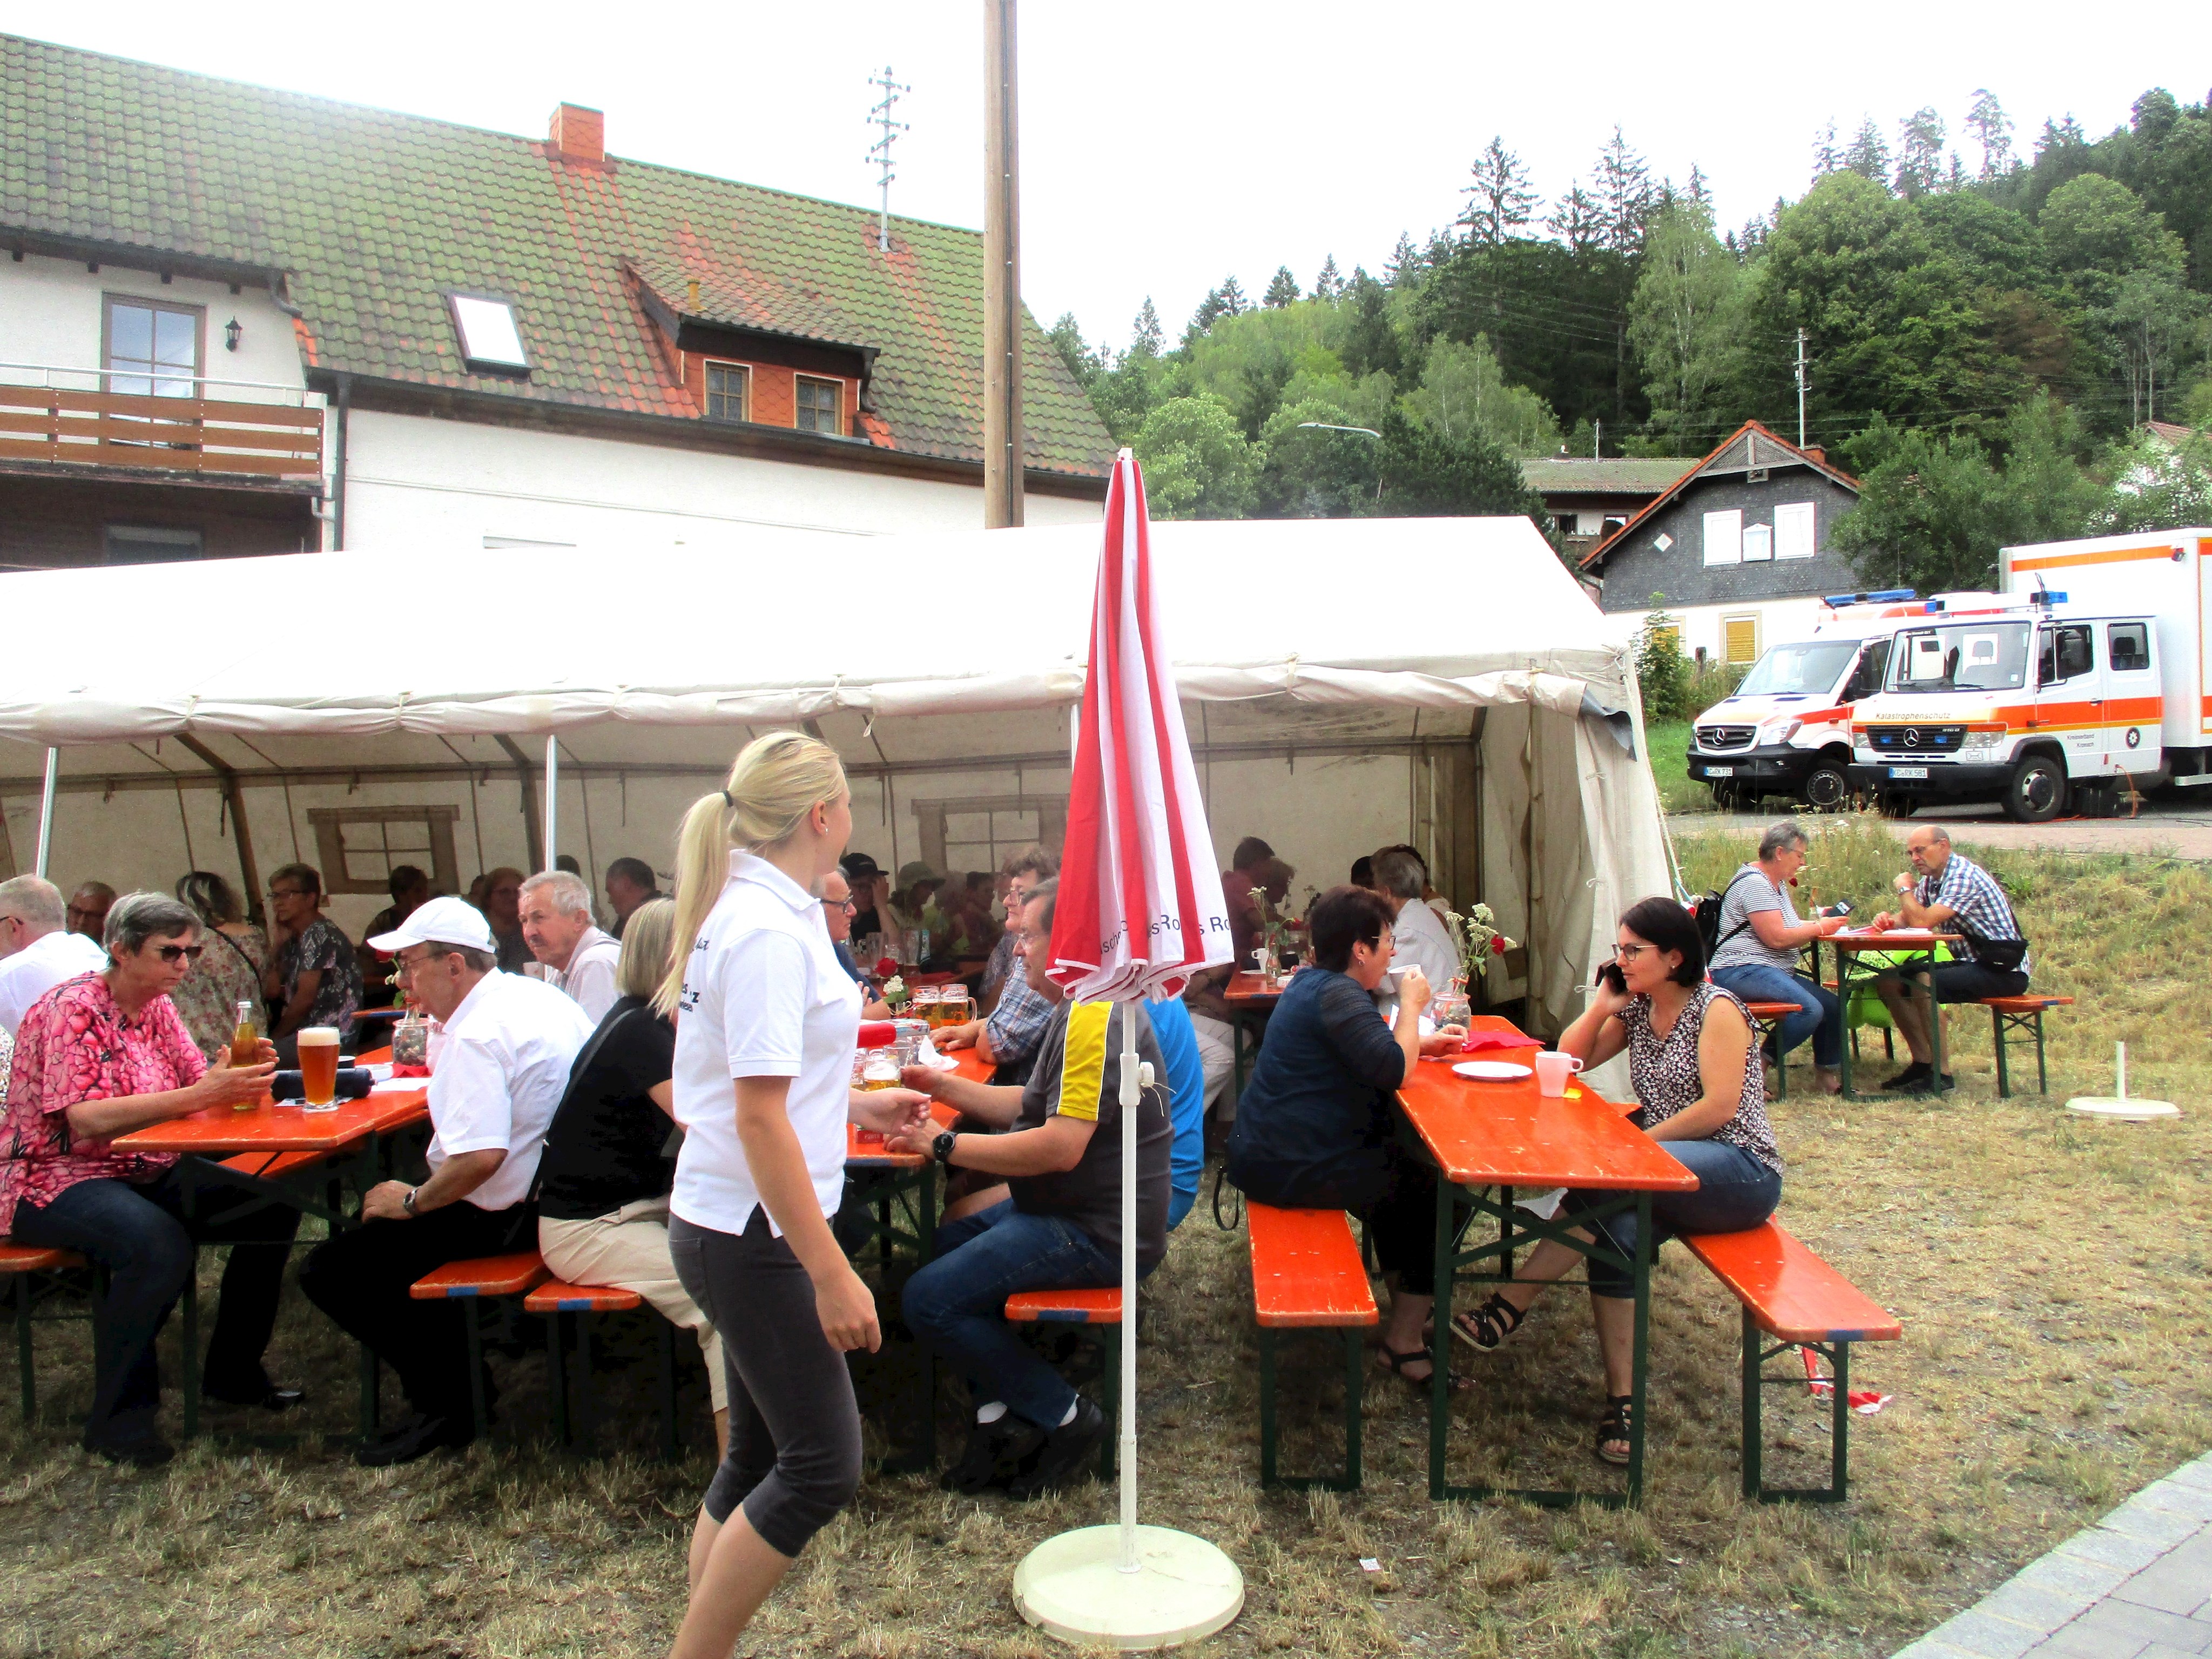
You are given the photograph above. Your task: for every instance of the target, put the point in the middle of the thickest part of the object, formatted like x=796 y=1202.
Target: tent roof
x=1416 y=612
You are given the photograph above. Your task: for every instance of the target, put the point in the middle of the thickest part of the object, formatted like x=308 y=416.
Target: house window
x=489 y=337
x=1740 y=638
x=729 y=388
x=359 y=846
x=1724 y=537
x=1611 y=524
x=1758 y=541
x=153 y=348
x=821 y=405
x=138 y=543
x=1796 y=533
x=975 y=833
x=1571 y=524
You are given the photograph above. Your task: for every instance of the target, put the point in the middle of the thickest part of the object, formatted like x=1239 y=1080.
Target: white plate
x=1491 y=1071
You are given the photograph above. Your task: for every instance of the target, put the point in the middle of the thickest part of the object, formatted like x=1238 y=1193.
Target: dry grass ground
x=2050 y=1274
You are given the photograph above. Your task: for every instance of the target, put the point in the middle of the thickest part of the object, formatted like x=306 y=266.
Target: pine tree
x=1209 y=309
x=1083 y=363
x=2060 y=135
x=1282 y=289
x=1623 y=187
x=1328 y=284
x=1919 y=153
x=1500 y=202
x=1867 y=156
x=1992 y=130
x=1700 y=189
x=1404 y=266
x=1576 y=221
x=1231 y=294
x=1149 y=337
x=1826 y=158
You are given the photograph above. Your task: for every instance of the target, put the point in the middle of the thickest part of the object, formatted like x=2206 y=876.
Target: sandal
x=1397 y=1362
x=1486 y=1329
x=1612 y=1430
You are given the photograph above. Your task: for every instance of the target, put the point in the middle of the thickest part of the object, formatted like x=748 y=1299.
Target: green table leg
x=1639 y=1350
x=1440 y=1343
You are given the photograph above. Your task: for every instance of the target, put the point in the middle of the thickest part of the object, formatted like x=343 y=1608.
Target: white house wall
x=1704 y=626
x=447 y=485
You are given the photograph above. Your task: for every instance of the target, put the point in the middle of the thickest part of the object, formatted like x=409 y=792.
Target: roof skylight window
x=490 y=339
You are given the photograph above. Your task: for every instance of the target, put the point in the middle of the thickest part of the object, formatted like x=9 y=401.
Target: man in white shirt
x=36 y=952
x=1419 y=939
x=509 y=1042
x=579 y=959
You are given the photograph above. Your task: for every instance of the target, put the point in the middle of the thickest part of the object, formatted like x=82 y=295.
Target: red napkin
x=1478 y=1041
x=410 y=1071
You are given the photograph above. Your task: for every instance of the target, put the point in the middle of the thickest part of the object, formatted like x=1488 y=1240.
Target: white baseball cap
x=440 y=921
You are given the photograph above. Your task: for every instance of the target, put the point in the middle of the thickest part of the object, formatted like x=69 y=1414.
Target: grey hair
x=34 y=900
x=566 y=890
x=1399 y=874
x=1781 y=837
x=137 y=917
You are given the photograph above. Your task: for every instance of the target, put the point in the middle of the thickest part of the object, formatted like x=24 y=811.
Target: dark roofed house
x=338 y=324
x=1738 y=546
x=1590 y=497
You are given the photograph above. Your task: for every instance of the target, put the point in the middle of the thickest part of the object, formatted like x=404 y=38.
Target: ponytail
x=775 y=781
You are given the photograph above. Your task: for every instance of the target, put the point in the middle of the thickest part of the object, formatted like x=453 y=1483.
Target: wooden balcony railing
x=198 y=433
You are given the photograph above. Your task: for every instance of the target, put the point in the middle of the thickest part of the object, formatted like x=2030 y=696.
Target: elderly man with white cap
x=508 y=1044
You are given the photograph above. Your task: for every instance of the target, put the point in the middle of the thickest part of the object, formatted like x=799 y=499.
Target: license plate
x=1908 y=771
x=1720 y=771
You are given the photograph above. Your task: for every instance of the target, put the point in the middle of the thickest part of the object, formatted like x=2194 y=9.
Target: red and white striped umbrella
x=1139 y=911
x=1140 y=906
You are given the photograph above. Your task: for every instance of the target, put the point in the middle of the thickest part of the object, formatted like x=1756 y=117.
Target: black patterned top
x=1665 y=1072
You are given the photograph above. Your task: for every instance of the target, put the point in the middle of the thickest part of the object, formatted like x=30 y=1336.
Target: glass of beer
x=955 y=1006
x=925 y=1005
x=318 y=1067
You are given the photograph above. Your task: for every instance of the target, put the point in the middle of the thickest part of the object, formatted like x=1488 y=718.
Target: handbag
x=2001 y=956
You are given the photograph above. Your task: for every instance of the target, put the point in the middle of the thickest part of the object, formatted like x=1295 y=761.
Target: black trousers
x=139 y=1234
x=361 y=1278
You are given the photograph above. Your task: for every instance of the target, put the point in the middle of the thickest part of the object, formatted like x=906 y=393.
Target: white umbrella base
x=1072 y=1587
x=2131 y=1110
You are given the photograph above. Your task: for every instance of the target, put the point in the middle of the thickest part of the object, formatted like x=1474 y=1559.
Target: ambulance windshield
x=1977 y=656
x=1807 y=668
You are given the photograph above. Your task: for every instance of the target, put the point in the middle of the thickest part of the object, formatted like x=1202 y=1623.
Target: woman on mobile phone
x=1697 y=1077
x=766 y=1020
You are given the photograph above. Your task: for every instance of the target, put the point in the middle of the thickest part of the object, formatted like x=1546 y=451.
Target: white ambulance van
x=1787 y=729
x=2084 y=684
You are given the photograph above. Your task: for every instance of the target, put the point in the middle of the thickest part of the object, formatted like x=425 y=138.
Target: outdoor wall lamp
x=231 y=331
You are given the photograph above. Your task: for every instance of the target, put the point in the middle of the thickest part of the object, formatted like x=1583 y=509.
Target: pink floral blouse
x=75 y=1044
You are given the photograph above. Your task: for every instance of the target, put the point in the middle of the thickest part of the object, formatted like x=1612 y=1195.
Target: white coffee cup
x=1553 y=1071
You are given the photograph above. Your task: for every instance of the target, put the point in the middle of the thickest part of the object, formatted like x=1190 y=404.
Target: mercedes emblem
x=1912 y=737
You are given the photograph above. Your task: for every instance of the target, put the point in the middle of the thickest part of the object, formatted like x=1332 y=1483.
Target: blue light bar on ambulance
x=1884 y=596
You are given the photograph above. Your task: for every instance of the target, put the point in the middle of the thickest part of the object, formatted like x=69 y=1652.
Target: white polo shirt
x=763 y=996
x=589 y=978
x=1419 y=940
x=39 y=966
x=501 y=1069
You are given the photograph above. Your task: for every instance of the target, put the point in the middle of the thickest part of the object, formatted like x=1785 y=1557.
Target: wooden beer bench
x=485 y=1278
x=24 y=1265
x=1307 y=1274
x=1098 y=1313
x=2024 y=1014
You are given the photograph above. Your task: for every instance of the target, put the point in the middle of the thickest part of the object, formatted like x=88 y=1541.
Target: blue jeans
x=1819 y=1014
x=957 y=1302
x=1734 y=1191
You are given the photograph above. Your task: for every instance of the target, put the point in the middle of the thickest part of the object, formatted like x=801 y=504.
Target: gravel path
x=2182 y=827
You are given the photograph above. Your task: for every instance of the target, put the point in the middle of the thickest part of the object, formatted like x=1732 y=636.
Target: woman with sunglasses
x=98 y=1056
x=1700 y=1090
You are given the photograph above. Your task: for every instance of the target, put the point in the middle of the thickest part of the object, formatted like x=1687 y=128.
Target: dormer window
x=821 y=406
x=491 y=342
x=729 y=387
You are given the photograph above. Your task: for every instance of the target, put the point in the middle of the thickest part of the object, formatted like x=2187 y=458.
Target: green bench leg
x=479 y=1414
x=672 y=1448
x=23 y=1348
x=556 y=1377
x=1267 y=1407
x=1355 y=1377
x=1109 y=1337
x=2042 y=1077
x=1997 y=1039
x=1755 y=1489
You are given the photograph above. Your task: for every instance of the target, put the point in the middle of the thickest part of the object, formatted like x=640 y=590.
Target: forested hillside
x=1986 y=335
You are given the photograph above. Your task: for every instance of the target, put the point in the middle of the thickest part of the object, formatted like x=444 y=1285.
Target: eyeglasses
x=287 y=892
x=1628 y=952
x=845 y=905
x=175 y=953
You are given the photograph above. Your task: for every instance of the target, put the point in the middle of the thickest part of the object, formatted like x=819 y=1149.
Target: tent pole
x=46 y=810
x=552 y=799
x=248 y=866
x=537 y=843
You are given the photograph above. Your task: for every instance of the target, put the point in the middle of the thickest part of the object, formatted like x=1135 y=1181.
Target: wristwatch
x=408 y=1202
x=941 y=1148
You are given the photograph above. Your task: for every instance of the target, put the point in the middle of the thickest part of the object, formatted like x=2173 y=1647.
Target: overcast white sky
x=1166 y=145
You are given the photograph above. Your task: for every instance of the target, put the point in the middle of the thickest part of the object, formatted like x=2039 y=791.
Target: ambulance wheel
x=1826 y=788
x=1724 y=798
x=2037 y=794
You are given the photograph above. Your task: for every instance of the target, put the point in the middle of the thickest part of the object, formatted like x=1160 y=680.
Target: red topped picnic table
x=257 y=1149
x=1487 y=1138
x=1251 y=998
x=1911 y=950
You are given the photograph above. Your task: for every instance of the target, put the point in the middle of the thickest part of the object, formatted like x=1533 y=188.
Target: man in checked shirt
x=1952 y=894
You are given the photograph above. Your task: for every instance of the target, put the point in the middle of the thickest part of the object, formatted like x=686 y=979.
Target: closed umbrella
x=1139 y=911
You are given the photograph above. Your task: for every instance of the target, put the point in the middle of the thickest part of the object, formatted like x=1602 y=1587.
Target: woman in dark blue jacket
x=1313 y=1126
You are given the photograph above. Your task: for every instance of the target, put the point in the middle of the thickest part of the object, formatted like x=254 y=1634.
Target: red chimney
x=578 y=134
x=1817 y=453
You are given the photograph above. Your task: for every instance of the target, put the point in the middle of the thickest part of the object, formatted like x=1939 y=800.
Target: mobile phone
x=1608 y=972
x=1840 y=907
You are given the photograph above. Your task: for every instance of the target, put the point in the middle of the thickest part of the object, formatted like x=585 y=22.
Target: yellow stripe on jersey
x=1083 y=1062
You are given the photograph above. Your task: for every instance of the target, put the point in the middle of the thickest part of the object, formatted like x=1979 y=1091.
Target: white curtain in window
x=1796 y=534
x=1758 y=541
x=1724 y=537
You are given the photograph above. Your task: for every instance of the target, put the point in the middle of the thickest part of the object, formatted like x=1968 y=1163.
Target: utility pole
x=1597 y=439
x=1002 y=271
x=879 y=153
x=1801 y=388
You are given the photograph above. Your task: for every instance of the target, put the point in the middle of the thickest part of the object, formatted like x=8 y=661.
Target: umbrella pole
x=1131 y=1100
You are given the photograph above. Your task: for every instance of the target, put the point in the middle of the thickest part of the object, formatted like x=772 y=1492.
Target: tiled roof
x=374 y=216
x=1749 y=446
x=1589 y=475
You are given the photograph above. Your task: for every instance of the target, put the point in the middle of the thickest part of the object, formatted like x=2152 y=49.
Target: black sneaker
x=269 y=1397
x=995 y=1455
x=1060 y=1462
x=418 y=1437
x=149 y=1452
x=1911 y=1078
x=1930 y=1085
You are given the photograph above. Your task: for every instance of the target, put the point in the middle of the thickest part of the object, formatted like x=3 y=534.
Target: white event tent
x=1348 y=684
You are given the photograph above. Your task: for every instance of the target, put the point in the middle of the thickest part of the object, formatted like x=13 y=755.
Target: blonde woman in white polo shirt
x=765 y=1023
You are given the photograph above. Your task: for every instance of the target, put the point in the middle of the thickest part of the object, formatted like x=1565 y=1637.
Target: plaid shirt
x=1018 y=1024
x=1972 y=894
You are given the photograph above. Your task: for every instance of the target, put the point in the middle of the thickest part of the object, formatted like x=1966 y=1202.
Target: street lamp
x=1328 y=426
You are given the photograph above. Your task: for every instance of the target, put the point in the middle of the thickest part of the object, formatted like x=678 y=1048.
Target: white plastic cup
x=1553 y=1071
